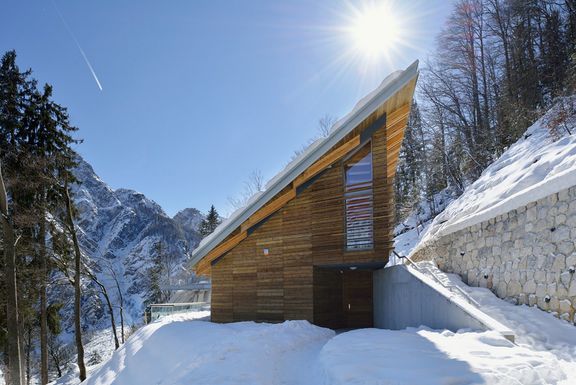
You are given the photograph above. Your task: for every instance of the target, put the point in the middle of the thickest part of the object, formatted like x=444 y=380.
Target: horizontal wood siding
x=307 y=231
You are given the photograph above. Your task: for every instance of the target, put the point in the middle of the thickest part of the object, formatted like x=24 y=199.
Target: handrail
x=433 y=274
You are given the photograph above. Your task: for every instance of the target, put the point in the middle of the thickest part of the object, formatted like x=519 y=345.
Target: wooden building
x=306 y=247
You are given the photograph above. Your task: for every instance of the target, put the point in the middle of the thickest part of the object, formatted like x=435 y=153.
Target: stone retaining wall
x=527 y=255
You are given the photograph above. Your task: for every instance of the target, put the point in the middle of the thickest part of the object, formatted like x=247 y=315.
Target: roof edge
x=335 y=136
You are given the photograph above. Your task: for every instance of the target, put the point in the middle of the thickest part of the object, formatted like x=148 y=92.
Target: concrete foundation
x=405 y=298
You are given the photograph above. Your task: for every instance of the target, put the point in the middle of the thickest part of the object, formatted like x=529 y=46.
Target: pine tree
x=209 y=224
x=159 y=274
x=411 y=161
x=36 y=154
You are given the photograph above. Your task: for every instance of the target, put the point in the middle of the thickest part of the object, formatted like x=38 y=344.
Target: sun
x=374 y=30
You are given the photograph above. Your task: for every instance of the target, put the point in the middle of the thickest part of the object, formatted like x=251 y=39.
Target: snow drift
x=181 y=350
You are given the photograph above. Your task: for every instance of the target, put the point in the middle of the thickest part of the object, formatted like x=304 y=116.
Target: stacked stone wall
x=527 y=255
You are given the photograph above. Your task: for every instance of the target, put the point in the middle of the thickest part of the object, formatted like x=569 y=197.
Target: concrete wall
x=527 y=255
x=404 y=298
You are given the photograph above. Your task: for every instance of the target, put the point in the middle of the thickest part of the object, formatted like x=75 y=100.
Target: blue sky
x=198 y=94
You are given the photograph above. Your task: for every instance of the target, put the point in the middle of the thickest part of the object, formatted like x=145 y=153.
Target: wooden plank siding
x=397 y=109
x=302 y=228
x=307 y=231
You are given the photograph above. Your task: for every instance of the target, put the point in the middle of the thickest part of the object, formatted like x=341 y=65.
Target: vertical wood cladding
x=308 y=231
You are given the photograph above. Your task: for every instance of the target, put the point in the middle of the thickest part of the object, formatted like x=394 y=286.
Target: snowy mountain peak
x=189 y=219
x=123 y=226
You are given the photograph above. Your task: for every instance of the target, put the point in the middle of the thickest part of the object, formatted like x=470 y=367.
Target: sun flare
x=375 y=30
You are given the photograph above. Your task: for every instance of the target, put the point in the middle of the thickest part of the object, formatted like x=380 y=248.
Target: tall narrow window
x=359 y=200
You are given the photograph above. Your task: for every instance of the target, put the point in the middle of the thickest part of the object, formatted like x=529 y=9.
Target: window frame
x=347 y=247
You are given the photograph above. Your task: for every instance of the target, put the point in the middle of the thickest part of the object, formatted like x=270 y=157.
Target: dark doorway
x=343 y=298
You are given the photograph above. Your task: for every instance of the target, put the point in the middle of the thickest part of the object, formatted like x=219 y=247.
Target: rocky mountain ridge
x=119 y=230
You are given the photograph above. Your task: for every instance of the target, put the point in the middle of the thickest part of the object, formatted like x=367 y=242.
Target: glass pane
x=359 y=201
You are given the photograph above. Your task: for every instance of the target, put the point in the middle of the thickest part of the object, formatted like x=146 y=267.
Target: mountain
x=119 y=230
x=189 y=221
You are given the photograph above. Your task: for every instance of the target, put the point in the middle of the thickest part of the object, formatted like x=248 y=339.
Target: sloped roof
x=362 y=110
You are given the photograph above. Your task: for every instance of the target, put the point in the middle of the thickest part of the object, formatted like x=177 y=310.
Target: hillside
x=540 y=163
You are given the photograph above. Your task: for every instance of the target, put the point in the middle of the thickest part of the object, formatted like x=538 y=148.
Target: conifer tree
x=209 y=224
x=36 y=155
x=411 y=162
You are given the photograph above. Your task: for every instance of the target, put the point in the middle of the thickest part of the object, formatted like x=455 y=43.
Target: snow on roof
x=536 y=166
x=367 y=105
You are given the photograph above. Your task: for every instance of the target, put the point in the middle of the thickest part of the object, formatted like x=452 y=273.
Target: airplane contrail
x=77 y=45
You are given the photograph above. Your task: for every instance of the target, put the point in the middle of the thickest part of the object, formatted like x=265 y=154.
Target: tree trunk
x=112 y=320
x=121 y=297
x=43 y=304
x=28 y=352
x=55 y=358
x=110 y=308
x=77 y=286
x=14 y=349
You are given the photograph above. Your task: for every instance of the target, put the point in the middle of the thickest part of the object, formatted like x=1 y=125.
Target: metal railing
x=431 y=273
x=200 y=286
x=159 y=310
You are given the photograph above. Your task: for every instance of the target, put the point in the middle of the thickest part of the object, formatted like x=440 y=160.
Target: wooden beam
x=326 y=161
x=397 y=115
x=204 y=264
x=395 y=130
x=268 y=210
x=221 y=249
x=394 y=148
x=203 y=269
x=398 y=119
x=395 y=121
x=392 y=156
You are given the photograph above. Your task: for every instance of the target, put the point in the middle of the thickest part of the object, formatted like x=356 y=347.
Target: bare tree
x=120 y=298
x=253 y=185
x=325 y=125
x=43 y=303
x=60 y=354
x=104 y=292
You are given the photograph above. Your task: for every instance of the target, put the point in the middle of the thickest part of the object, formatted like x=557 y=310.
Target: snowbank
x=534 y=329
x=537 y=165
x=178 y=350
x=423 y=356
x=181 y=350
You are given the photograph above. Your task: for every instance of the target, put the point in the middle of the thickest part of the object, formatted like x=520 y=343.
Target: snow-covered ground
x=183 y=350
x=534 y=328
x=540 y=163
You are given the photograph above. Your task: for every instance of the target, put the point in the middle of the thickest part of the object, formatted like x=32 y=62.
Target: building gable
x=388 y=108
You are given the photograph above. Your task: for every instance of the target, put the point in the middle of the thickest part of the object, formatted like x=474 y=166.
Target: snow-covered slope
x=540 y=163
x=408 y=233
